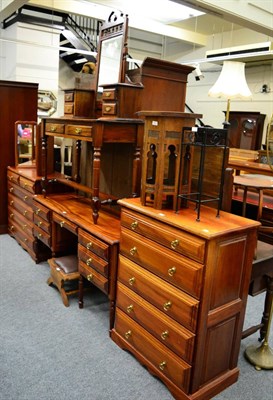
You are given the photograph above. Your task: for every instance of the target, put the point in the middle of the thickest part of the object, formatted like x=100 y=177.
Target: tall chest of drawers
x=181 y=294
x=23 y=184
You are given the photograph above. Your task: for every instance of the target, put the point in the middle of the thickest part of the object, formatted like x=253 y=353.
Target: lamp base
x=261 y=357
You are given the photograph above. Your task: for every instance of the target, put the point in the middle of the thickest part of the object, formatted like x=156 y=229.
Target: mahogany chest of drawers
x=181 y=294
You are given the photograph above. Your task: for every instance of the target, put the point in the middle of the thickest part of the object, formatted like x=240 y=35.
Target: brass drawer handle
x=25 y=213
x=107 y=94
x=24 y=226
x=78 y=131
x=11 y=178
x=162 y=365
x=130 y=308
x=25 y=185
x=40 y=235
x=25 y=198
x=174 y=244
x=37 y=211
x=12 y=227
x=25 y=240
x=53 y=128
x=108 y=108
x=62 y=224
x=40 y=223
x=89 y=262
x=11 y=203
x=11 y=189
x=11 y=215
x=164 y=335
x=167 y=305
x=134 y=225
x=89 y=245
x=132 y=281
x=172 y=271
x=128 y=334
x=133 y=251
x=90 y=277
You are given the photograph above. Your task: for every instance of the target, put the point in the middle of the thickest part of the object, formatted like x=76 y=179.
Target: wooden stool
x=62 y=270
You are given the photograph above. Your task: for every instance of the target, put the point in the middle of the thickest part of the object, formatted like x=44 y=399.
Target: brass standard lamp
x=231 y=83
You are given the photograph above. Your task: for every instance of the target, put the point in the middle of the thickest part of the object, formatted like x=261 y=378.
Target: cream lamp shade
x=231 y=83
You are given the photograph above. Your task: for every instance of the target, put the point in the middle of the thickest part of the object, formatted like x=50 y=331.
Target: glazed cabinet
x=181 y=294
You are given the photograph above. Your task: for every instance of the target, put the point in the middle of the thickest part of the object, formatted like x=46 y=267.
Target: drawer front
x=181 y=242
x=78 y=130
x=165 y=329
x=42 y=235
x=27 y=185
x=54 y=128
x=27 y=241
x=22 y=194
x=93 y=276
x=41 y=211
x=109 y=108
x=24 y=224
x=69 y=96
x=95 y=245
x=69 y=108
x=93 y=261
x=109 y=94
x=171 y=301
x=164 y=360
x=174 y=268
x=13 y=177
x=65 y=223
x=43 y=224
x=23 y=209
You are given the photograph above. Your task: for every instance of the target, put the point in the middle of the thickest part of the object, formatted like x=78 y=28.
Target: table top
x=250 y=166
x=256 y=181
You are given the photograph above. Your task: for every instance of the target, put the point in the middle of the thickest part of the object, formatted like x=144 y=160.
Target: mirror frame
x=32 y=141
x=116 y=27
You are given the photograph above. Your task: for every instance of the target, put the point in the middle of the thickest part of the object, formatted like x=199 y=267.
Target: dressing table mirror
x=25 y=143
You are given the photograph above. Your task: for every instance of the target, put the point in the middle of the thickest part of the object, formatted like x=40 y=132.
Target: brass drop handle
x=162 y=365
x=78 y=131
x=37 y=211
x=108 y=108
x=89 y=262
x=11 y=178
x=24 y=226
x=134 y=225
x=133 y=251
x=130 y=308
x=40 y=235
x=62 y=224
x=107 y=94
x=128 y=334
x=11 y=215
x=25 y=185
x=25 y=213
x=25 y=240
x=53 y=128
x=89 y=245
x=167 y=305
x=25 y=198
x=11 y=189
x=174 y=244
x=164 y=335
x=172 y=271
x=40 y=223
x=132 y=281
x=11 y=202
x=12 y=227
x=90 y=277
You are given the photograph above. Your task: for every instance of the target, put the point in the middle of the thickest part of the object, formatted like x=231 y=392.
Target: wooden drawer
x=92 y=243
x=65 y=223
x=78 y=130
x=181 y=242
x=13 y=177
x=26 y=240
x=171 y=301
x=54 y=128
x=69 y=96
x=43 y=224
x=69 y=108
x=42 y=235
x=22 y=194
x=174 y=268
x=164 y=360
x=23 y=223
x=93 y=261
x=165 y=329
x=41 y=211
x=27 y=185
x=17 y=204
x=109 y=94
x=93 y=276
x=109 y=108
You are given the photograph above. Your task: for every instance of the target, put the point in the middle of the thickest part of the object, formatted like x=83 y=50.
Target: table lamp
x=231 y=83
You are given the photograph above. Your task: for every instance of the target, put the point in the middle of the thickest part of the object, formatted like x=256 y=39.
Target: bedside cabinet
x=182 y=287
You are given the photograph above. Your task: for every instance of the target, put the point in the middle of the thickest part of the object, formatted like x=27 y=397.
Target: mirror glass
x=110 y=60
x=25 y=142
